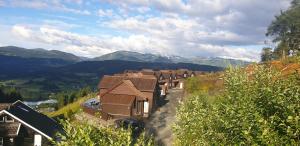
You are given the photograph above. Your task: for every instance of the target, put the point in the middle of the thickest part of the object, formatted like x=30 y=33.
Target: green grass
x=72 y=107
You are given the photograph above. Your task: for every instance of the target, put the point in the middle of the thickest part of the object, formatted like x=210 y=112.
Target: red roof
x=142 y=83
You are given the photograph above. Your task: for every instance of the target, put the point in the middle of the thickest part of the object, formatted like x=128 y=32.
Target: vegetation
x=10 y=95
x=38 y=53
x=257 y=107
x=71 y=108
x=285 y=30
x=209 y=83
x=78 y=134
x=67 y=97
x=267 y=54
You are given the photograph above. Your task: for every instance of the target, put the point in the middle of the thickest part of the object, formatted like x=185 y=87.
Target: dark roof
x=141 y=83
x=4 y=106
x=9 y=129
x=117 y=99
x=37 y=120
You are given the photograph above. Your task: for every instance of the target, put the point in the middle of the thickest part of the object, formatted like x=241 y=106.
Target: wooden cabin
x=128 y=96
x=21 y=125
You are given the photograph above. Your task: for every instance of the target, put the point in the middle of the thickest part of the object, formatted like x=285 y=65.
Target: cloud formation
x=54 y=5
x=226 y=28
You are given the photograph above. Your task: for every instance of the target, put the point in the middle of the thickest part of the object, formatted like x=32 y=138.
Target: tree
x=267 y=54
x=286 y=28
x=10 y=95
x=1 y=93
x=281 y=51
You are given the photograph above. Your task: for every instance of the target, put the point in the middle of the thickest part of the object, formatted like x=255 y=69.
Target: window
x=1 y=141
x=8 y=119
x=134 y=103
x=1 y=119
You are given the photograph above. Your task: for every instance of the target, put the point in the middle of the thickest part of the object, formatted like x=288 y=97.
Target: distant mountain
x=139 y=57
x=37 y=78
x=132 y=56
x=119 y=55
x=38 y=53
x=217 y=61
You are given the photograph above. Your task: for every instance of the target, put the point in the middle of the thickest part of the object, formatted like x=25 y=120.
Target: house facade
x=21 y=126
x=130 y=95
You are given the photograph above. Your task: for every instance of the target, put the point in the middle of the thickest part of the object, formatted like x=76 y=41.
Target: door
x=162 y=92
x=181 y=85
x=37 y=140
x=146 y=107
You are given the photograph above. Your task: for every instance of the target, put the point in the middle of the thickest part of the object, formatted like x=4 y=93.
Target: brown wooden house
x=130 y=95
x=20 y=125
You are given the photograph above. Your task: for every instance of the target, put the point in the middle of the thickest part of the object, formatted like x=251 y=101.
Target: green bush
x=78 y=134
x=260 y=107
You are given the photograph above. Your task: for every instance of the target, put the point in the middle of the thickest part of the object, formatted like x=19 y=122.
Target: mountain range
x=118 y=55
x=139 y=57
x=38 y=73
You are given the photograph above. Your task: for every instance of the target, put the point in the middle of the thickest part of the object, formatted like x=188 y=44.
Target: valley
x=40 y=77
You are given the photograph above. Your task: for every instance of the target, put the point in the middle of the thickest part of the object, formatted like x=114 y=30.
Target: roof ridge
x=135 y=88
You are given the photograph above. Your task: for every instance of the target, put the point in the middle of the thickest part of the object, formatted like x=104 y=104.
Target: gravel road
x=161 y=121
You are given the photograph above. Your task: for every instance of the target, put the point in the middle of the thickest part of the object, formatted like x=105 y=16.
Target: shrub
x=78 y=134
x=260 y=107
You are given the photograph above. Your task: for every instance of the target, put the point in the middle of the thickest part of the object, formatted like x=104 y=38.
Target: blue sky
x=189 y=28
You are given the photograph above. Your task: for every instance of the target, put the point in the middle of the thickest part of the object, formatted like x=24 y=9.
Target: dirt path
x=161 y=121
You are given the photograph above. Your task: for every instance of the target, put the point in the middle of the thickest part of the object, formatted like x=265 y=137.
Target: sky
x=187 y=28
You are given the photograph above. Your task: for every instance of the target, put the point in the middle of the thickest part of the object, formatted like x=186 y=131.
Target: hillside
x=36 y=78
x=38 y=53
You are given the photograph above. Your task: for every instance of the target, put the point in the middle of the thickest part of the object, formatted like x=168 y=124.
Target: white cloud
x=50 y=5
x=2 y=3
x=224 y=28
x=90 y=46
x=58 y=24
x=22 y=31
x=105 y=13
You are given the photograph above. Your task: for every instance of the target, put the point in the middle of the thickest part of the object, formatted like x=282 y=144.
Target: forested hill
x=38 y=53
x=38 y=77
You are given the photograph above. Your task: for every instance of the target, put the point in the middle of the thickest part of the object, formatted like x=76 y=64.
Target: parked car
x=137 y=126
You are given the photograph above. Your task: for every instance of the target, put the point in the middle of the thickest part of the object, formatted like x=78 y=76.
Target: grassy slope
x=73 y=107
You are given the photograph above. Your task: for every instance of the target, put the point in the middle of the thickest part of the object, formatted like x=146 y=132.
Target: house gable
x=123 y=88
x=26 y=124
x=37 y=122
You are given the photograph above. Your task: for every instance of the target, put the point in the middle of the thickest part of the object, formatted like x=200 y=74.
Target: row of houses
x=134 y=93
x=21 y=125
